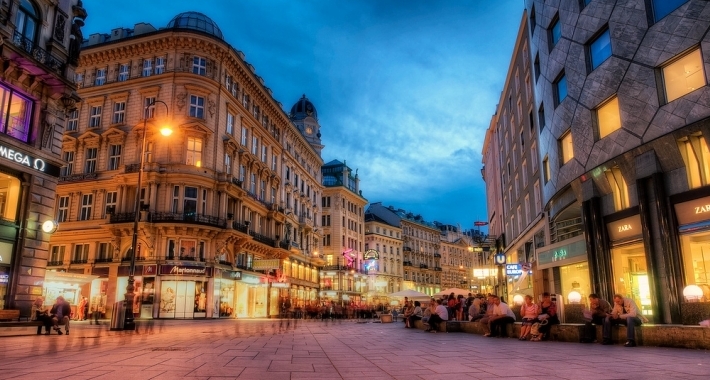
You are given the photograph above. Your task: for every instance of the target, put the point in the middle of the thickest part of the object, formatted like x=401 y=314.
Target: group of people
x=58 y=314
x=537 y=318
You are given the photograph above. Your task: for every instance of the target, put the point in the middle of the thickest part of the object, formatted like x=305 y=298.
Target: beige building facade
x=383 y=245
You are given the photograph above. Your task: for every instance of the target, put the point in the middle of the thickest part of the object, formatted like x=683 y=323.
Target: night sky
x=404 y=89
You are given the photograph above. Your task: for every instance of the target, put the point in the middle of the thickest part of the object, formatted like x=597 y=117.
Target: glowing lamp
x=166 y=131
x=574 y=297
x=518 y=299
x=50 y=226
x=693 y=293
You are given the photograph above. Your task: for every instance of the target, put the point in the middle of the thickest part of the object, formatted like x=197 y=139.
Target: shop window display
x=4 y=282
x=9 y=195
x=631 y=275
x=696 y=260
x=575 y=277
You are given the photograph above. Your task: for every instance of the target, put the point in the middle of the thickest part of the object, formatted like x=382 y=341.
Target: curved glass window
x=27 y=20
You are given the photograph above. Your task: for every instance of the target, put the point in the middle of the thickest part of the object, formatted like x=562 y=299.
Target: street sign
x=499 y=259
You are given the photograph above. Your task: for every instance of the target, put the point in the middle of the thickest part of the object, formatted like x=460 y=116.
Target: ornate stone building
x=39 y=50
x=456 y=258
x=228 y=202
x=383 y=240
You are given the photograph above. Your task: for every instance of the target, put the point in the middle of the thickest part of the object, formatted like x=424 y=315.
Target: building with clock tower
x=305 y=117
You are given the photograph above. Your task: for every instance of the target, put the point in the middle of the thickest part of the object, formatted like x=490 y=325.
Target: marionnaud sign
x=28 y=161
x=182 y=270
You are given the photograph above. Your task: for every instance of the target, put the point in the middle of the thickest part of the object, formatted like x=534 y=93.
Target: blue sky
x=404 y=89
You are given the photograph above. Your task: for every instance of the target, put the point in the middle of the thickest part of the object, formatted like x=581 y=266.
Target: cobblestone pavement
x=270 y=349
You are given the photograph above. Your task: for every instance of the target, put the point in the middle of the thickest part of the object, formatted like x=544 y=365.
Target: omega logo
x=625 y=227
x=702 y=209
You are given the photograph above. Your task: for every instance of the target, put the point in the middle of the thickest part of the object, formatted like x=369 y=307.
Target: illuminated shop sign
x=513 y=269
x=231 y=275
x=184 y=270
x=697 y=210
x=625 y=228
x=371 y=254
x=567 y=252
x=28 y=161
x=4 y=278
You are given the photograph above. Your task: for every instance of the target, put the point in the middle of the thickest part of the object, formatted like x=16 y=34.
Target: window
x=254 y=145
x=274 y=161
x=104 y=253
x=16 y=113
x=608 y=117
x=618 y=188
x=57 y=255
x=262 y=190
x=95 y=117
x=119 y=112
x=189 y=202
x=252 y=185
x=517 y=187
x=245 y=101
x=555 y=31
x=114 y=156
x=100 y=77
x=661 y=8
x=176 y=199
x=536 y=67
x=149 y=106
x=123 y=72
x=245 y=134
x=197 y=106
x=90 y=159
x=566 y=147
x=524 y=172
x=199 y=65
x=27 y=20
x=600 y=49
x=527 y=209
x=87 y=202
x=533 y=21
x=110 y=202
x=683 y=75
x=536 y=194
x=81 y=254
x=79 y=79
x=520 y=109
x=533 y=156
x=73 y=120
x=159 y=65
x=546 y=169
x=194 y=151
x=147 y=67
x=696 y=157
x=63 y=209
x=560 y=89
x=264 y=153
x=242 y=172
x=541 y=117
x=227 y=164
x=230 y=123
x=68 y=168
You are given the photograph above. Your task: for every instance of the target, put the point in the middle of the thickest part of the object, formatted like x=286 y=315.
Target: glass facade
x=695 y=250
x=631 y=275
x=575 y=277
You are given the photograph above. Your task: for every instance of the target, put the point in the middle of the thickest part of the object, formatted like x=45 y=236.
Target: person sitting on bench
x=39 y=314
x=499 y=318
x=61 y=311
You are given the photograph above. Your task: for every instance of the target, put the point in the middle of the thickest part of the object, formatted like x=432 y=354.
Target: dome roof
x=196 y=21
x=303 y=108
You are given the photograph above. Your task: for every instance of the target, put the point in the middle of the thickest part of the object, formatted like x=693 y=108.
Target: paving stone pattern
x=268 y=349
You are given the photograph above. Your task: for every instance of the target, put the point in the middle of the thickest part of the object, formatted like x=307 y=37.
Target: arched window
x=27 y=20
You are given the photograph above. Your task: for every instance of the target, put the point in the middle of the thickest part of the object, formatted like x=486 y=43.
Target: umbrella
x=456 y=292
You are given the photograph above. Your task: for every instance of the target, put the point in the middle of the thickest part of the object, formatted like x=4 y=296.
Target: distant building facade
x=383 y=250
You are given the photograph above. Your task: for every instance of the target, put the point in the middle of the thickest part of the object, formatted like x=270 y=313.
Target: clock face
x=309 y=130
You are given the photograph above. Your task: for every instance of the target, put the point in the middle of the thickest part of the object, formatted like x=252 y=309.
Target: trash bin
x=118 y=317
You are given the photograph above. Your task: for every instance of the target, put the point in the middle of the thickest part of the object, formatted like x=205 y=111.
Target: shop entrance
x=631 y=275
x=183 y=299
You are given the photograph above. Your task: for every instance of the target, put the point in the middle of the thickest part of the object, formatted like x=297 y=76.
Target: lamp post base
x=129 y=322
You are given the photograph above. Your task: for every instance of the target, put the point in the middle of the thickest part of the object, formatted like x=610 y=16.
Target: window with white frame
x=114 y=156
x=194 y=151
x=63 y=209
x=56 y=257
x=147 y=67
x=274 y=161
x=149 y=103
x=683 y=75
x=68 y=168
x=87 y=203
x=227 y=163
x=245 y=101
x=538 y=200
x=90 y=160
x=228 y=82
x=242 y=173
x=123 y=72
x=176 y=199
x=199 y=65
x=159 y=65
x=105 y=252
x=264 y=153
x=81 y=254
x=73 y=120
x=100 y=77
x=119 y=112
x=273 y=195
x=95 y=117
x=204 y=202
x=517 y=187
x=230 y=123
x=110 y=201
x=197 y=106
x=245 y=134
x=254 y=145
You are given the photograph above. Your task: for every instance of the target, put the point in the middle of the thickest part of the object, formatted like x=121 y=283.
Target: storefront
x=144 y=289
x=10 y=196
x=183 y=291
x=570 y=269
x=224 y=293
x=67 y=285
x=628 y=258
x=252 y=294
x=694 y=235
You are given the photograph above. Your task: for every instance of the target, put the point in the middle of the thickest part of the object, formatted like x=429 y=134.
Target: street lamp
x=129 y=321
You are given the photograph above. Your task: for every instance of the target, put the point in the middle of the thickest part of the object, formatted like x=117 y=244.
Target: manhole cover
x=170 y=349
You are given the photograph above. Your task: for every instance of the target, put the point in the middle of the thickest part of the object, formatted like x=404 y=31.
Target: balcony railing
x=122 y=217
x=132 y=168
x=39 y=54
x=423 y=266
x=437 y=255
x=103 y=260
x=407 y=263
x=262 y=239
x=236 y=182
x=241 y=227
x=158 y=217
x=79 y=261
x=223 y=262
x=438 y=269
x=283 y=244
x=78 y=177
x=55 y=263
x=128 y=258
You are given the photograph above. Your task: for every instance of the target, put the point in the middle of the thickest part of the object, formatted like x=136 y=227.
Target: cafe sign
x=28 y=161
x=626 y=228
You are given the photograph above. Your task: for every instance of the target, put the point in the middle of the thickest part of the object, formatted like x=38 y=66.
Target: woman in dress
x=528 y=312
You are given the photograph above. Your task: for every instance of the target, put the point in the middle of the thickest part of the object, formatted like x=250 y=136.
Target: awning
x=72 y=278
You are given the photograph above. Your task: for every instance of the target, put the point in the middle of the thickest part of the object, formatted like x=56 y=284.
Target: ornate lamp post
x=129 y=321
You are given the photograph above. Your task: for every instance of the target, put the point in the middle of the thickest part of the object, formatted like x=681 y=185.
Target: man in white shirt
x=624 y=312
x=499 y=317
x=441 y=315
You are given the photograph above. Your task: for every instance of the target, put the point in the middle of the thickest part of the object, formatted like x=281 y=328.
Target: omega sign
x=26 y=160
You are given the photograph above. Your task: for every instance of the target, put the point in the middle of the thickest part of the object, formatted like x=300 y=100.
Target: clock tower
x=305 y=117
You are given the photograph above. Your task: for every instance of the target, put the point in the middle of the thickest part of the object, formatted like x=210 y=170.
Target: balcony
x=103 y=260
x=423 y=266
x=407 y=263
x=79 y=261
x=406 y=249
x=437 y=255
x=132 y=168
x=262 y=239
x=39 y=54
x=55 y=263
x=241 y=227
x=227 y=263
x=236 y=182
x=78 y=177
x=438 y=269
x=159 y=217
x=283 y=244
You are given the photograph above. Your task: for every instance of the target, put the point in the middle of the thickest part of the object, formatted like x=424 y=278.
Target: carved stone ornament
x=211 y=107
x=181 y=100
x=59 y=27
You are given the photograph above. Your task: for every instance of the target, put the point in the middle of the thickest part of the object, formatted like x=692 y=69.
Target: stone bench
x=680 y=336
